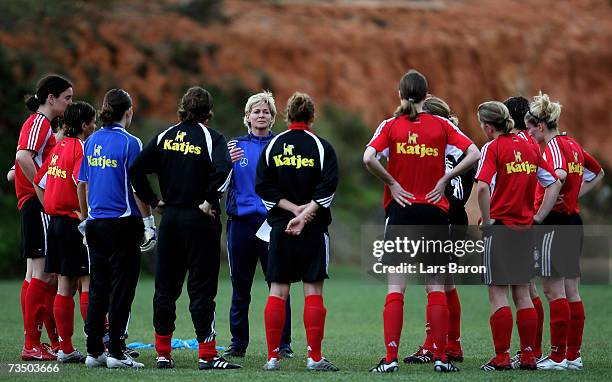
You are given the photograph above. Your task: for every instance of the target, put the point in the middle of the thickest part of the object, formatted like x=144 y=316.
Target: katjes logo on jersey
x=575 y=167
x=54 y=170
x=518 y=166
x=288 y=159
x=99 y=160
x=178 y=144
x=413 y=148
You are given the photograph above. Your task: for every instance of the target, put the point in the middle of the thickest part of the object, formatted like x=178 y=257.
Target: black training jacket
x=299 y=166
x=192 y=164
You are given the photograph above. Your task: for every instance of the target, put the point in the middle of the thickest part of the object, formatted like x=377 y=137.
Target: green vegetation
x=353 y=336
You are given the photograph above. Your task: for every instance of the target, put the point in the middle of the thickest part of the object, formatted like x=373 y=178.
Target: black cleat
x=234 y=351
x=219 y=363
x=165 y=363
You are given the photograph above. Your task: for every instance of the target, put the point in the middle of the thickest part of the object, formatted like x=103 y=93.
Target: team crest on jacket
x=180 y=145
x=244 y=162
x=412 y=147
x=288 y=159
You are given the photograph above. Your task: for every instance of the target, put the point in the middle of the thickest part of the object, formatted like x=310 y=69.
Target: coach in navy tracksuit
x=246 y=213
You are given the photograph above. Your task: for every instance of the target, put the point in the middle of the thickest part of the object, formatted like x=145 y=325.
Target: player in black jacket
x=193 y=167
x=297 y=176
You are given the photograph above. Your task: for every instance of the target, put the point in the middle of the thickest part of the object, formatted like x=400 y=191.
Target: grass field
x=353 y=336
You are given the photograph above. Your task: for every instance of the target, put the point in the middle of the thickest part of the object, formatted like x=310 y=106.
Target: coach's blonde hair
x=497 y=115
x=437 y=106
x=263 y=98
x=542 y=110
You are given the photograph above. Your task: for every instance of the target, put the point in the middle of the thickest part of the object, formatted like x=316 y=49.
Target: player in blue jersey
x=246 y=213
x=114 y=229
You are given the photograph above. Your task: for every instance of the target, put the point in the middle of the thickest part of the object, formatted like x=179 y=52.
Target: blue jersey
x=108 y=154
x=242 y=200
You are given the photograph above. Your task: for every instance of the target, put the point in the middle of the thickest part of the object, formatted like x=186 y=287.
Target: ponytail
x=413 y=89
x=50 y=84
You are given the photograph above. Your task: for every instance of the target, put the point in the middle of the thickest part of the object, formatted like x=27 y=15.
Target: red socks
x=163 y=345
x=537 y=304
x=501 y=329
x=24 y=290
x=559 y=325
x=527 y=323
x=574 y=335
x=63 y=310
x=393 y=318
x=274 y=318
x=84 y=302
x=35 y=311
x=208 y=350
x=439 y=323
x=49 y=319
x=428 y=344
x=454 y=321
x=314 y=323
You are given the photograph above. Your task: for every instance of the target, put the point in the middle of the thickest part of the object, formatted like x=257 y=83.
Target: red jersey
x=523 y=134
x=555 y=154
x=37 y=136
x=58 y=177
x=416 y=152
x=512 y=166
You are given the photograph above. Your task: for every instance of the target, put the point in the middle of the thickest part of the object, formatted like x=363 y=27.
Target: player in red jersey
x=36 y=139
x=560 y=247
x=416 y=145
x=56 y=186
x=457 y=192
x=507 y=175
x=518 y=107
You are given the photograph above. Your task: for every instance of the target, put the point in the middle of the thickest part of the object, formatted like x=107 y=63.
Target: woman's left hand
x=436 y=194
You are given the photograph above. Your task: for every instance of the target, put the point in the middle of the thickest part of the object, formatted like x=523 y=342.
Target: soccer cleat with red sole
x=495 y=365
x=38 y=353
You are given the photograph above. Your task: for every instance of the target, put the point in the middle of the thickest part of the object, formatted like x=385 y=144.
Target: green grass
x=353 y=336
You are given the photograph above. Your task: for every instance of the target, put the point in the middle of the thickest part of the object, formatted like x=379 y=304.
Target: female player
x=36 y=139
x=518 y=107
x=507 y=175
x=246 y=213
x=457 y=192
x=558 y=247
x=56 y=185
x=114 y=229
x=297 y=168
x=415 y=180
x=190 y=232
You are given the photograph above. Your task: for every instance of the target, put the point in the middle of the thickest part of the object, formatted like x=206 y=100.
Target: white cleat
x=99 y=361
x=575 y=364
x=321 y=365
x=127 y=363
x=548 y=364
x=74 y=357
x=272 y=365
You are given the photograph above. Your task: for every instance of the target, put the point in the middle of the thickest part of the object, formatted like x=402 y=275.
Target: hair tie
x=535 y=117
x=35 y=96
x=411 y=100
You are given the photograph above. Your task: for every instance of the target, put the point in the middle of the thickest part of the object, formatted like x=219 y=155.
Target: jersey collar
x=113 y=126
x=299 y=126
x=258 y=138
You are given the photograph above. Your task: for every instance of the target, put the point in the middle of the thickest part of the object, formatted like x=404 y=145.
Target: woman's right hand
x=401 y=196
x=236 y=153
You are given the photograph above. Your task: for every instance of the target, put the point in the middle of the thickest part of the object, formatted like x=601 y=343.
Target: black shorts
x=559 y=244
x=298 y=258
x=423 y=222
x=67 y=256
x=34 y=224
x=508 y=257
